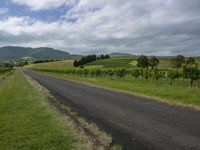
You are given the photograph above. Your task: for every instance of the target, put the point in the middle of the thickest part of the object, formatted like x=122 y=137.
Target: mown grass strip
x=26 y=122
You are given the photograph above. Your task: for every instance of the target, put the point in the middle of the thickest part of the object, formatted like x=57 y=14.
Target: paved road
x=136 y=123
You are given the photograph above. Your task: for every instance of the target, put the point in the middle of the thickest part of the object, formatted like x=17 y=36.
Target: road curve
x=135 y=123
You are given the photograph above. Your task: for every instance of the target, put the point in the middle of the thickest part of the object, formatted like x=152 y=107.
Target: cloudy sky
x=151 y=27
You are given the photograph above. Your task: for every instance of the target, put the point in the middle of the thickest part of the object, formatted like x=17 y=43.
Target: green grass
x=113 y=62
x=133 y=63
x=94 y=67
x=178 y=93
x=26 y=121
x=58 y=65
x=165 y=63
x=129 y=62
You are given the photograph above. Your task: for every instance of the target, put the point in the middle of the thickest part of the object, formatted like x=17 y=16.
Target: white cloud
x=43 y=4
x=149 y=27
x=3 y=10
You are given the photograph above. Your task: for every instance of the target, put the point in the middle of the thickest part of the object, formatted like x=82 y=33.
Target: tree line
x=44 y=61
x=176 y=62
x=87 y=59
x=8 y=65
x=6 y=71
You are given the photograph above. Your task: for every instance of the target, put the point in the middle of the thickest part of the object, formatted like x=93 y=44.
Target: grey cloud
x=154 y=27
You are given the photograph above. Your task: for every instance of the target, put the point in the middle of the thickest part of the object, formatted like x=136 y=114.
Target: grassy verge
x=26 y=122
x=177 y=94
x=30 y=118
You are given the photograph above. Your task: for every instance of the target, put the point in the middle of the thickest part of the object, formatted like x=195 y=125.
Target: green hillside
x=128 y=62
x=42 y=53
x=13 y=53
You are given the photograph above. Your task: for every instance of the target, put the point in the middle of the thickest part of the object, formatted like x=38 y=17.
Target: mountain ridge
x=8 y=53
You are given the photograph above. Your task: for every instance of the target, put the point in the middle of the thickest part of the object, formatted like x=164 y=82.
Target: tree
x=110 y=72
x=191 y=72
x=85 y=71
x=84 y=60
x=76 y=64
x=153 y=62
x=172 y=75
x=135 y=73
x=158 y=74
x=121 y=72
x=8 y=64
x=146 y=73
x=107 y=56
x=190 y=61
x=98 y=72
x=142 y=61
x=102 y=56
x=178 y=61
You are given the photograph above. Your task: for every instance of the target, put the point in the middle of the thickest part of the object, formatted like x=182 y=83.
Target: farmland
x=117 y=73
x=117 y=62
x=114 y=62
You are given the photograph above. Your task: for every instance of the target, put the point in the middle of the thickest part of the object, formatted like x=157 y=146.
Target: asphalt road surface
x=135 y=123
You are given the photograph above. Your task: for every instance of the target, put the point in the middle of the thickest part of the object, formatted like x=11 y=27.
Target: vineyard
x=174 y=85
x=189 y=73
x=143 y=68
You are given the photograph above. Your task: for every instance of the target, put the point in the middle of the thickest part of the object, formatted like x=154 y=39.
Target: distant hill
x=120 y=54
x=41 y=53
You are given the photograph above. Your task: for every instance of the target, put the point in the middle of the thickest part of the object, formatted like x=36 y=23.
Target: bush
x=135 y=73
x=142 y=61
x=191 y=72
x=153 y=62
x=178 y=61
x=84 y=60
x=172 y=75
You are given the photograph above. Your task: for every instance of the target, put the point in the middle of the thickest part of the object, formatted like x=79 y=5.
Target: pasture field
x=113 y=62
x=129 y=62
x=177 y=93
x=165 y=63
x=57 y=65
x=27 y=122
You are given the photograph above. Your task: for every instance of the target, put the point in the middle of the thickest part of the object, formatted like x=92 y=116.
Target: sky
x=149 y=27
